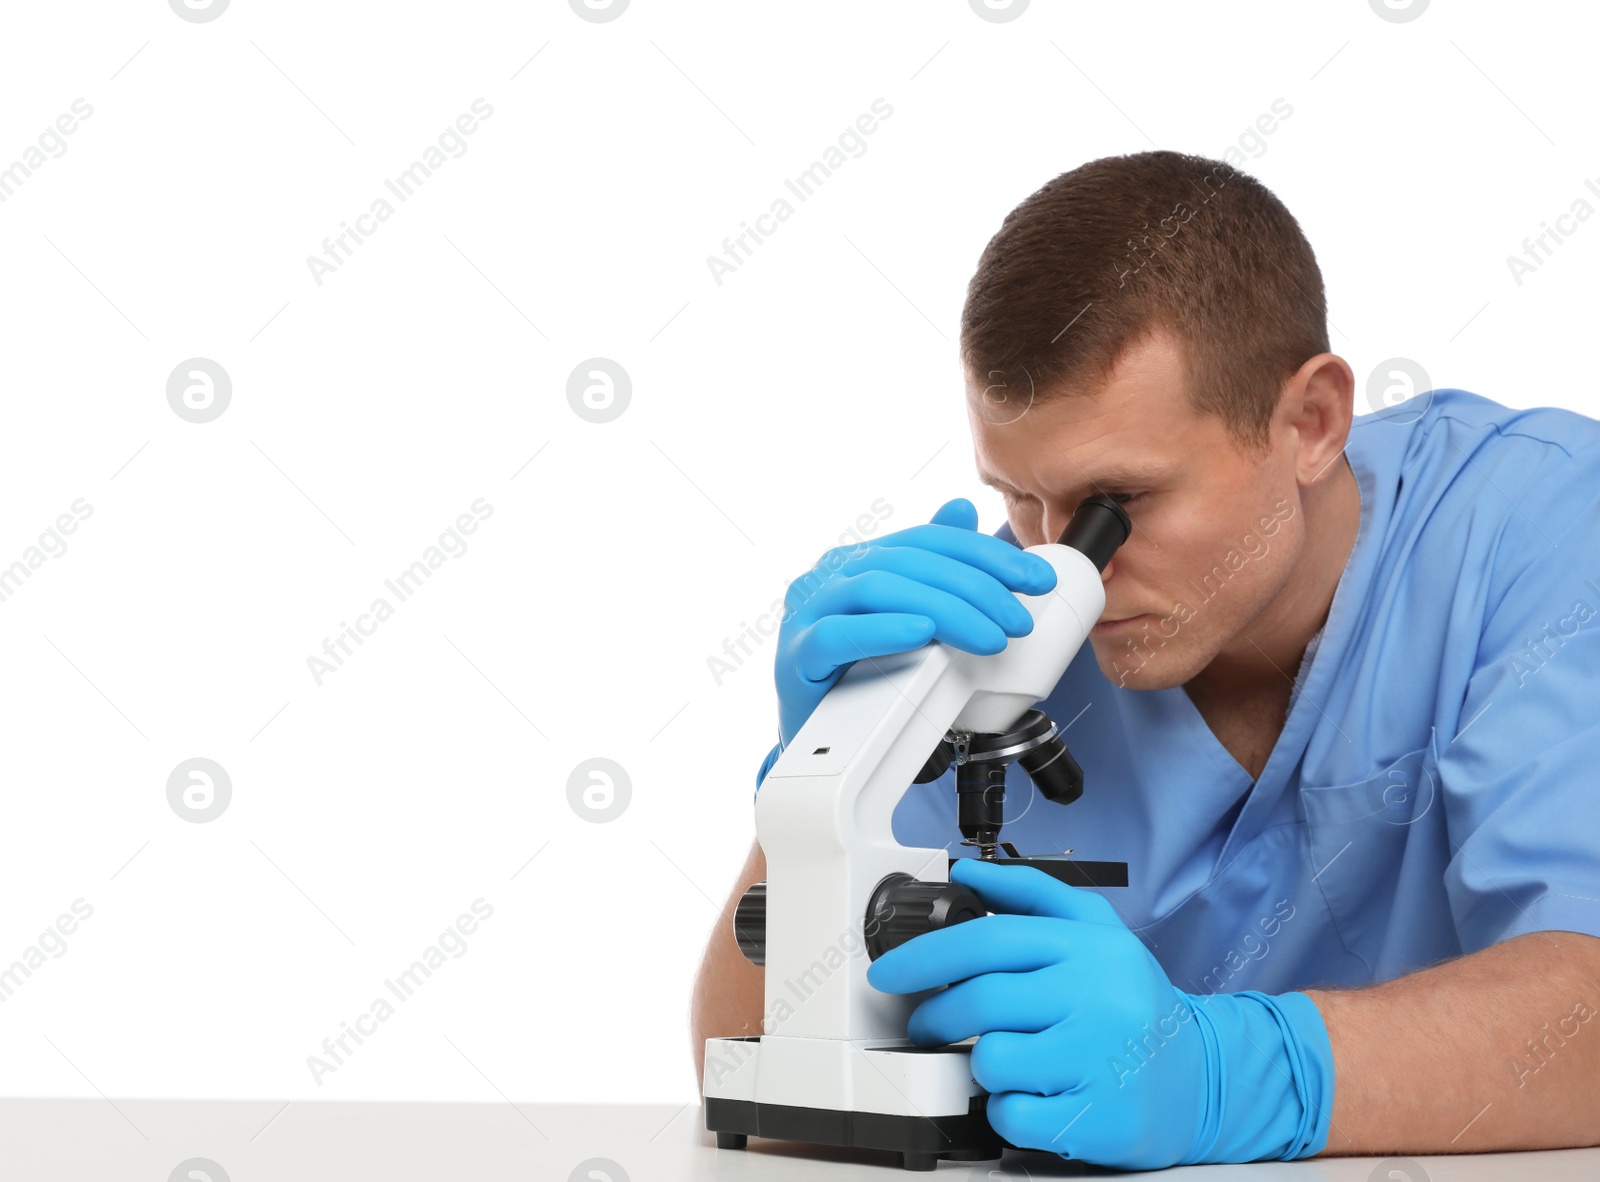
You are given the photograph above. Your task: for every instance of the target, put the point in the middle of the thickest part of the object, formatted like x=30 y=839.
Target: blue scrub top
x=1434 y=790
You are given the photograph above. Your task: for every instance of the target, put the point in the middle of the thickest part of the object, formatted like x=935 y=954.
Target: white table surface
x=258 y=1140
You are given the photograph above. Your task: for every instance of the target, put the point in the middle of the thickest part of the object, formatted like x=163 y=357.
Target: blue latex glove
x=1087 y=1049
x=941 y=581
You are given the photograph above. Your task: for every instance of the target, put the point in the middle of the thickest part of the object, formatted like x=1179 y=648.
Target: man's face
x=1216 y=530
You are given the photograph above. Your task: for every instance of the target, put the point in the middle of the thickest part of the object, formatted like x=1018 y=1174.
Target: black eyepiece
x=1097 y=528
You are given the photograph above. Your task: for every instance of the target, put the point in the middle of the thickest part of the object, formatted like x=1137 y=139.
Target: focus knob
x=902 y=907
x=750 y=923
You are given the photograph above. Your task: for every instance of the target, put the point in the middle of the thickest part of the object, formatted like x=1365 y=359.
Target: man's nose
x=1055 y=522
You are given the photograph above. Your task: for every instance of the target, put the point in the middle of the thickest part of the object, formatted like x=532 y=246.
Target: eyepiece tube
x=1097 y=528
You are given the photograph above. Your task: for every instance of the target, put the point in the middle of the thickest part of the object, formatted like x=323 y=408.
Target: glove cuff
x=1310 y=1057
x=1269 y=1078
x=1214 y=1093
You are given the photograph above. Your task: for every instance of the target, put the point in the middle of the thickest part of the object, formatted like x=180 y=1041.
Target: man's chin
x=1139 y=668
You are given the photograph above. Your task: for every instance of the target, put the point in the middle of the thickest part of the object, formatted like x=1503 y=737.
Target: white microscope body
x=832 y=1063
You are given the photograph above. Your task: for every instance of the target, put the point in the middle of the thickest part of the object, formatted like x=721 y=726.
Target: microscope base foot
x=919 y=1140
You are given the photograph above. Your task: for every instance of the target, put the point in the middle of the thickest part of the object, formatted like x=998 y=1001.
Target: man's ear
x=1320 y=399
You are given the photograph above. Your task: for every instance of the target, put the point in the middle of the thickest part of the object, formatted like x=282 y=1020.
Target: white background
x=768 y=413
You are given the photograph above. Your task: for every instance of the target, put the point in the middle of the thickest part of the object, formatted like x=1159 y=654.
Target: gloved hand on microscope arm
x=941 y=581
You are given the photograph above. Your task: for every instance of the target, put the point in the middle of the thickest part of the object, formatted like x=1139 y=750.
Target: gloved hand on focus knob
x=942 y=581
x=1075 y=1018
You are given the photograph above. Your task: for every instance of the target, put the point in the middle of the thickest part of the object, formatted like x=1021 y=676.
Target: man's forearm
x=1497 y=1050
x=728 y=990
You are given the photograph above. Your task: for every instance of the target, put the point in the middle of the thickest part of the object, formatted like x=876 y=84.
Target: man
x=1338 y=715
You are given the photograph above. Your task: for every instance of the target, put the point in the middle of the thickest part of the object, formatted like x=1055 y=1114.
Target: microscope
x=832 y=1064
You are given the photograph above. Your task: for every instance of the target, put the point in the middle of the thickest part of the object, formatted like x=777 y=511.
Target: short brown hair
x=1126 y=244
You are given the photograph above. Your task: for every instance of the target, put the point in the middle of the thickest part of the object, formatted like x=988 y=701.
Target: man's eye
x=1123 y=498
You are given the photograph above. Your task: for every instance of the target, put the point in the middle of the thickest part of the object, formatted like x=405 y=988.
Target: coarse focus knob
x=902 y=907
x=750 y=923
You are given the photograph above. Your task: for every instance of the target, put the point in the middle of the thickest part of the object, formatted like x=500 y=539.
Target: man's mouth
x=1122 y=627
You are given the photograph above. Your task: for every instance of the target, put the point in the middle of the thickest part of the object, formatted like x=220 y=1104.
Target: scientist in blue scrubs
x=1341 y=715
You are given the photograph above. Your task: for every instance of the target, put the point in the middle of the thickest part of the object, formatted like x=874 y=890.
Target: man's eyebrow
x=1110 y=478
x=994 y=482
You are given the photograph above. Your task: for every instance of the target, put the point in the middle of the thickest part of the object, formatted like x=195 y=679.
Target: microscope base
x=920 y=1140
x=921 y=1103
